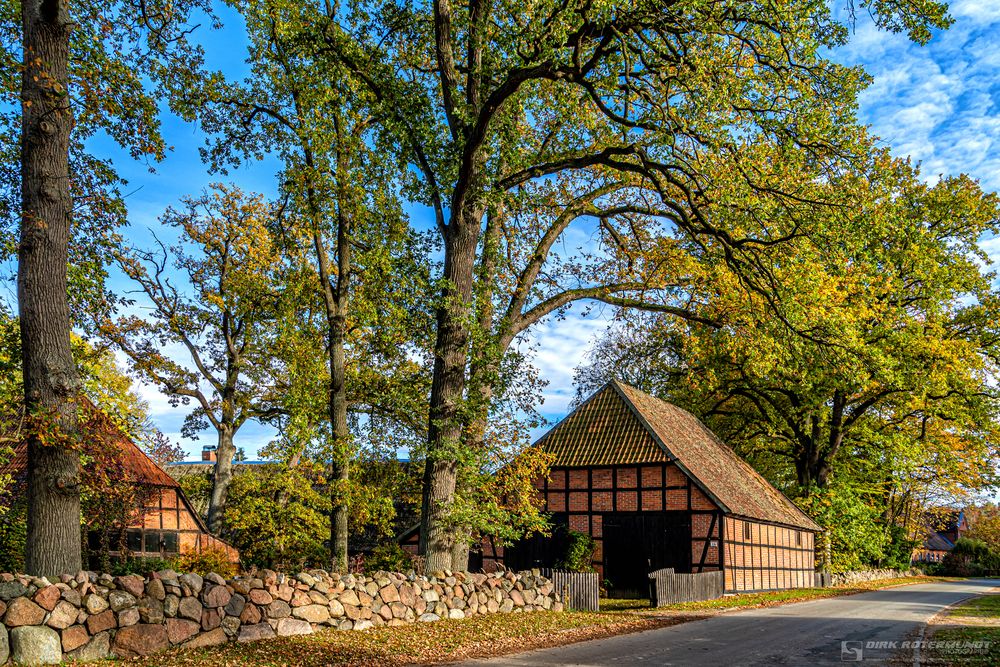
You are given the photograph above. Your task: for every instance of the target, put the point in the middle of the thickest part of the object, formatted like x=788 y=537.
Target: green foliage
x=970 y=558
x=141 y=566
x=389 y=557
x=580 y=550
x=277 y=516
x=854 y=535
x=204 y=562
x=13 y=537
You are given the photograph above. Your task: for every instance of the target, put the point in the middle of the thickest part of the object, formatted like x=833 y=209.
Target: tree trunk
x=223 y=476
x=447 y=391
x=50 y=380
x=341 y=460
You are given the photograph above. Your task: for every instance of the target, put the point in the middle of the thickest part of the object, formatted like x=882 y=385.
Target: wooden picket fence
x=579 y=591
x=670 y=588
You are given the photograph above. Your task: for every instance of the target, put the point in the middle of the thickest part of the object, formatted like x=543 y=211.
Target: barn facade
x=655 y=488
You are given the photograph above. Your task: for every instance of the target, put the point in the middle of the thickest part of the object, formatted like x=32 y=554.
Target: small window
x=170 y=542
x=747 y=535
x=133 y=540
x=798 y=538
x=151 y=542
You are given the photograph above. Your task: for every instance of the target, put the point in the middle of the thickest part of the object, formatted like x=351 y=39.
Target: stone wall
x=859 y=576
x=93 y=616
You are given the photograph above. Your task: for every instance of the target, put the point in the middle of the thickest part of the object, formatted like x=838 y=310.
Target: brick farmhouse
x=655 y=488
x=166 y=524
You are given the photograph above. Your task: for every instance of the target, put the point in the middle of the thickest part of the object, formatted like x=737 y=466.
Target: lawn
x=974 y=627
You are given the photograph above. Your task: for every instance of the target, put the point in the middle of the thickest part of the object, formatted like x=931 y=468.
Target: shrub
x=13 y=535
x=970 y=558
x=389 y=557
x=580 y=549
x=143 y=566
x=212 y=559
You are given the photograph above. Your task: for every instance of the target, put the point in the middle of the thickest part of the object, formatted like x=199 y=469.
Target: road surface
x=804 y=633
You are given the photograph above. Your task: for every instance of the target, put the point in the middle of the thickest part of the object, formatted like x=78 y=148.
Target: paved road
x=804 y=633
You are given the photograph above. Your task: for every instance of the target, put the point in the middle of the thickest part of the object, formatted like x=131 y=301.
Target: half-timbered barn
x=655 y=488
x=165 y=525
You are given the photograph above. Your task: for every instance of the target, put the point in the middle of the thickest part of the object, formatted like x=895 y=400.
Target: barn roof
x=620 y=425
x=100 y=430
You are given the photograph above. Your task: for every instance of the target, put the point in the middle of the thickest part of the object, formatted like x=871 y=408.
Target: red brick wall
x=762 y=556
x=584 y=494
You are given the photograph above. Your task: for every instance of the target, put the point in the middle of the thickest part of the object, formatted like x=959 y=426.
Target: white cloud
x=937 y=103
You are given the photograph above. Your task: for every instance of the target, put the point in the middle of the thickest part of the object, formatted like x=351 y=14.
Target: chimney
x=208 y=453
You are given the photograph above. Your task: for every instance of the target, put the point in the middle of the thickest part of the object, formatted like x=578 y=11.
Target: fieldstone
x=293 y=626
x=406 y=595
x=235 y=605
x=47 y=597
x=141 y=639
x=74 y=637
x=63 y=616
x=100 y=622
x=252 y=633
x=4 y=646
x=389 y=594
x=120 y=600
x=127 y=617
x=192 y=581
x=12 y=589
x=211 y=638
x=278 y=609
x=155 y=590
x=98 y=648
x=94 y=603
x=133 y=584
x=350 y=598
x=231 y=624
x=170 y=605
x=35 y=645
x=456 y=613
x=314 y=613
x=72 y=596
x=180 y=630
x=189 y=608
x=151 y=610
x=210 y=619
x=22 y=611
x=241 y=586
x=215 y=596
x=428 y=618
x=250 y=615
x=352 y=612
x=336 y=608
x=363 y=625
x=306 y=579
x=517 y=598
x=385 y=612
x=398 y=609
x=261 y=597
x=345 y=624
x=507 y=606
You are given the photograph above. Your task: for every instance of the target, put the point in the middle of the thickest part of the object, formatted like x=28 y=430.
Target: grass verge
x=479 y=636
x=966 y=634
x=417 y=643
x=768 y=599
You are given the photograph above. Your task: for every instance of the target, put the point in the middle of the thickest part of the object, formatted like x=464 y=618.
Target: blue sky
x=938 y=104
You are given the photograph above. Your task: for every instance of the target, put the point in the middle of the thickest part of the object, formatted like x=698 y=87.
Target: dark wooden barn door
x=538 y=550
x=636 y=544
